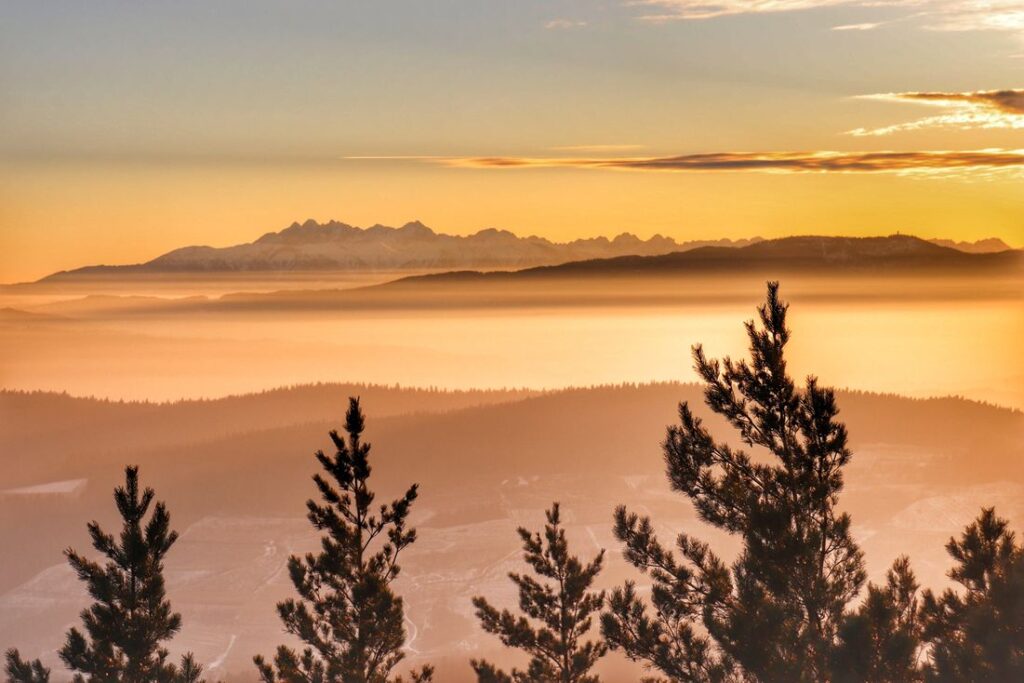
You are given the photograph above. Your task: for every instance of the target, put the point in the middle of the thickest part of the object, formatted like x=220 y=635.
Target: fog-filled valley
x=895 y=329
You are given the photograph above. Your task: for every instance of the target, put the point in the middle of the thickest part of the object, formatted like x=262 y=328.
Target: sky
x=128 y=129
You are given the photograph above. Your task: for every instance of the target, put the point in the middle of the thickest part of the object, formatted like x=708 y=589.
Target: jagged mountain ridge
x=337 y=246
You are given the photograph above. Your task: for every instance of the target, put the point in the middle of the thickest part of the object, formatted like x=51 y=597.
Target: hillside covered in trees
x=235 y=471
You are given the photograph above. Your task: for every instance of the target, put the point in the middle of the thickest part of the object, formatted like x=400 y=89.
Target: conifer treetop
x=130 y=618
x=347 y=614
x=773 y=614
x=556 y=614
x=976 y=633
x=20 y=671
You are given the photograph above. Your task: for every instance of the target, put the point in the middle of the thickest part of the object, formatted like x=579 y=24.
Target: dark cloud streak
x=1009 y=101
x=781 y=162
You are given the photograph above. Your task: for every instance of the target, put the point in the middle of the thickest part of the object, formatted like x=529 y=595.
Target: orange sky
x=124 y=134
x=58 y=218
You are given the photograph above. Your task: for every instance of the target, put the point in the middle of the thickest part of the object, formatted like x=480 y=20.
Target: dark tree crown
x=977 y=633
x=881 y=640
x=20 y=671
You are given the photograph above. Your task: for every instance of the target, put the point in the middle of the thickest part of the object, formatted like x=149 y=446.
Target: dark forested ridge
x=46 y=434
x=83 y=428
x=895 y=254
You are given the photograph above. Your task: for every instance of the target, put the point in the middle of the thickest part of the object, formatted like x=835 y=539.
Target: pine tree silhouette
x=563 y=605
x=130 y=617
x=347 y=614
x=20 y=671
x=774 y=615
x=881 y=641
x=978 y=634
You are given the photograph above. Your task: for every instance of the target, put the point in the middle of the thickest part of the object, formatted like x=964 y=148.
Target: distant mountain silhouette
x=985 y=246
x=339 y=247
x=335 y=246
x=895 y=254
x=806 y=263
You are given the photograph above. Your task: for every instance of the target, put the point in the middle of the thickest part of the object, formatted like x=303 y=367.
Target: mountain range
x=336 y=246
x=811 y=266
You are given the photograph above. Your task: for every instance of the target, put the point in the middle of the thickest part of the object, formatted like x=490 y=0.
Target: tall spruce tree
x=977 y=634
x=20 y=671
x=348 y=615
x=774 y=615
x=130 y=617
x=563 y=606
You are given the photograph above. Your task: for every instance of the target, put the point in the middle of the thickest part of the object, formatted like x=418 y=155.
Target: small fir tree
x=130 y=617
x=774 y=615
x=977 y=634
x=347 y=614
x=561 y=608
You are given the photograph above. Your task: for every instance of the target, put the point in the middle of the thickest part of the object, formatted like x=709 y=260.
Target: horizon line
x=533 y=392
x=605 y=236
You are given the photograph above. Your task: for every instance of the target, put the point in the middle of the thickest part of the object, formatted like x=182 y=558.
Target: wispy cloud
x=659 y=11
x=867 y=26
x=974 y=15
x=923 y=163
x=564 y=24
x=940 y=15
x=963 y=110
